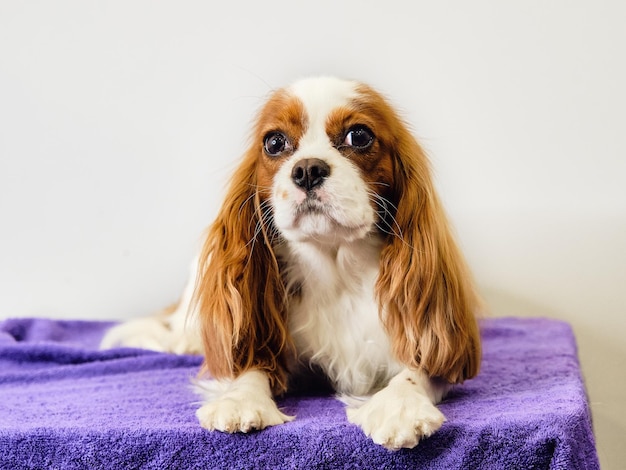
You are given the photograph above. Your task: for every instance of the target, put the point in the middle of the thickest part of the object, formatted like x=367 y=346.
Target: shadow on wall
x=602 y=361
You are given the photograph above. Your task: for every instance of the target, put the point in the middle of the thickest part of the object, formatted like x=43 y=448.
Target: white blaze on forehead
x=320 y=96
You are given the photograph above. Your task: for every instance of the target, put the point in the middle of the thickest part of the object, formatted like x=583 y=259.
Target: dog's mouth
x=321 y=215
x=311 y=205
x=310 y=210
x=314 y=216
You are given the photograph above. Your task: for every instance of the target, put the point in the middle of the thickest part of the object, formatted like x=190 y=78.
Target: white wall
x=120 y=121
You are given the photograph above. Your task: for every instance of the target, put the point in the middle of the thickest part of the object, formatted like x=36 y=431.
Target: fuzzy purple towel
x=66 y=405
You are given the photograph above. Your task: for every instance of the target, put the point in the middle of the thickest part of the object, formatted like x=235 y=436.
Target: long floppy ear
x=424 y=286
x=240 y=297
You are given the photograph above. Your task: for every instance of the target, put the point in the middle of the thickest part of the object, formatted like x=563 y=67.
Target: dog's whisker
x=386 y=213
x=246 y=201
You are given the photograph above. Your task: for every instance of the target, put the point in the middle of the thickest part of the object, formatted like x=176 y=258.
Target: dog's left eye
x=359 y=137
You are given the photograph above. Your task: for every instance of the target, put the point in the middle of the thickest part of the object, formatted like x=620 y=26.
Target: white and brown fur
x=354 y=273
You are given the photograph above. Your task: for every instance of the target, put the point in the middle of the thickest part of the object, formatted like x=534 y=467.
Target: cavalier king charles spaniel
x=331 y=254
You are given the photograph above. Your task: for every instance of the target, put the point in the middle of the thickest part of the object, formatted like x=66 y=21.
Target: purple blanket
x=65 y=404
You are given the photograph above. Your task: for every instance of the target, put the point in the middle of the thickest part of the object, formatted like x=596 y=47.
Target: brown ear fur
x=239 y=292
x=424 y=286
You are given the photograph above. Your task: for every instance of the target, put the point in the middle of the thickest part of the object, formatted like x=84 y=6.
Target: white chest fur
x=334 y=322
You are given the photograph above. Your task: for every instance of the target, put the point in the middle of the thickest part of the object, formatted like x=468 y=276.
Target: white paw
x=240 y=414
x=397 y=419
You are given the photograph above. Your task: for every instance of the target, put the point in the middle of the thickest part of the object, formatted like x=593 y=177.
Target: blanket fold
x=64 y=404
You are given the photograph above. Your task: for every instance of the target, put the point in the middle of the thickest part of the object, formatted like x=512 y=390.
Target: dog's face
x=325 y=164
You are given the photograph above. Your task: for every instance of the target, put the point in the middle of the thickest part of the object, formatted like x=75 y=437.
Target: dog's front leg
x=240 y=405
x=403 y=412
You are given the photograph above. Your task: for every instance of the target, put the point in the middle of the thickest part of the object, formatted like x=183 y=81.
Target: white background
x=121 y=121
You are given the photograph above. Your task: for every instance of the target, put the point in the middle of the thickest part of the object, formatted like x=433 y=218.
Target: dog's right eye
x=276 y=143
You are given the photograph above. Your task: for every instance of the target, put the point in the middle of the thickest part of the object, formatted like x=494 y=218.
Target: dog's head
x=325 y=159
x=331 y=163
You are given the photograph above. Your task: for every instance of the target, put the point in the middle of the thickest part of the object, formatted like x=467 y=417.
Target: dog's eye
x=359 y=137
x=276 y=143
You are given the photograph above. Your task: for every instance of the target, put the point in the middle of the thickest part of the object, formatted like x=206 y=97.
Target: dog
x=330 y=254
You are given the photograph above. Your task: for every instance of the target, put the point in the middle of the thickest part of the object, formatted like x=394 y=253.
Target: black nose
x=310 y=173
